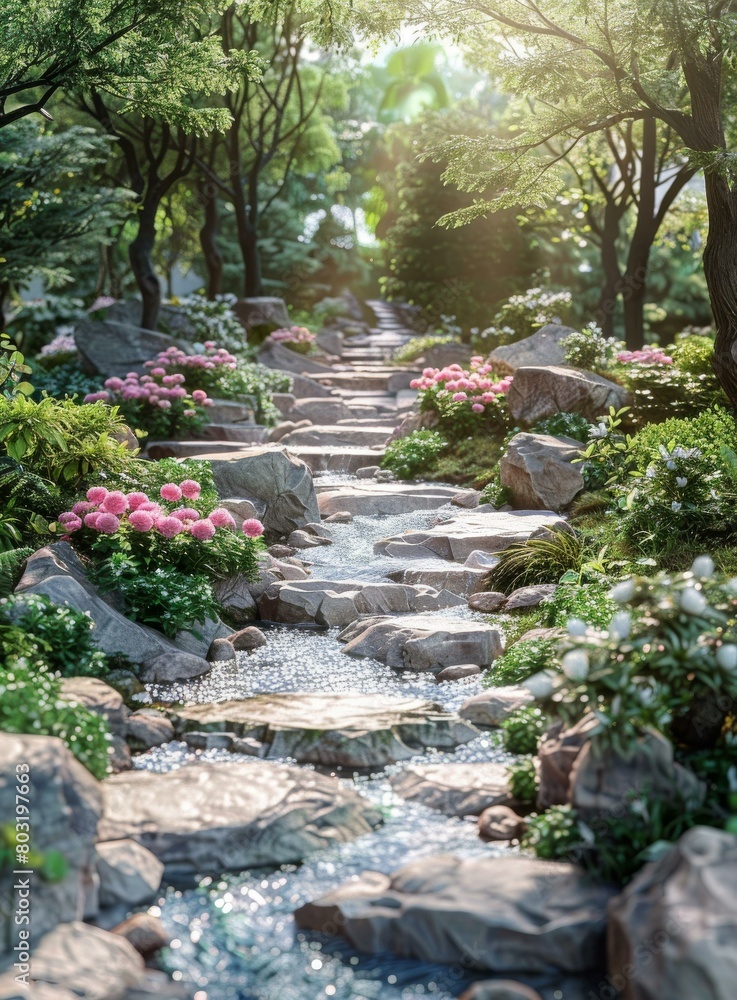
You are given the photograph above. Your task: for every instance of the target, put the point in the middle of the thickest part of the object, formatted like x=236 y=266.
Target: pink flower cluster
x=157 y=389
x=647 y=356
x=293 y=335
x=213 y=358
x=109 y=511
x=477 y=386
x=63 y=343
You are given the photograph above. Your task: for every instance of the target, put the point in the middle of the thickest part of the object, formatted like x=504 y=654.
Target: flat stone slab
x=342 y=459
x=504 y=914
x=455 y=789
x=337 y=435
x=461 y=580
x=327 y=602
x=423 y=642
x=347 y=730
x=369 y=499
x=467 y=532
x=216 y=817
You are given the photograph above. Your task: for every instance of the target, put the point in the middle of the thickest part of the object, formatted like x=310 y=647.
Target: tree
x=595 y=65
x=146 y=53
x=52 y=205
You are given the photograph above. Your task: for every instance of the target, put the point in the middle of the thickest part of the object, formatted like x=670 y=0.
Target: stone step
x=391 y=382
x=345 y=460
x=461 y=580
x=243 y=433
x=156 y=450
x=330 y=436
x=375 y=499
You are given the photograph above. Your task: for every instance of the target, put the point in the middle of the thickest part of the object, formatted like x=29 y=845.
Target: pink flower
x=97 y=494
x=68 y=515
x=222 y=518
x=141 y=520
x=199 y=396
x=90 y=520
x=190 y=489
x=115 y=503
x=169 y=526
x=154 y=509
x=164 y=404
x=202 y=530
x=158 y=372
x=459 y=397
x=478 y=408
x=108 y=524
x=171 y=492
x=137 y=499
x=252 y=528
x=73 y=524
x=81 y=507
x=186 y=514
x=190 y=413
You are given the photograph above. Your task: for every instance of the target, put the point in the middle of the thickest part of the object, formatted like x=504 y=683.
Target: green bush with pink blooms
x=157 y=403
x=296 y=338
x=465 y=401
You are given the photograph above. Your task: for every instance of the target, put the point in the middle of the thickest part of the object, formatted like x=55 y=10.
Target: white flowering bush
x=211 y=319
x=590 y=350
x=522 y=314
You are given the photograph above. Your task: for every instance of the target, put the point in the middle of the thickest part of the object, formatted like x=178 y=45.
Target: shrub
x=61 y=350
x=609 y=453
x=38 y=321
x=465 y=401
x=207 y=319
x=571 y=425
x=538 y=560
x=164 y=597
x=522 y=729
x=471 y=462
x=296 y=338
x=256 y=383
x=61 y=441
x=409 y=457
x=694 y=355
x=62 y=634
x=589 y=602
x=554 y=834
x=590 y=350
x=417 y=346
x=522 y=314
x=523 y=779
x=710 y=432
x=67 y=379
x=520 y=661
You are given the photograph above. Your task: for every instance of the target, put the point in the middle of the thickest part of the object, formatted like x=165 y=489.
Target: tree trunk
x=720 y=269
x=612 y=275
x=141 y=257
x=634 y=287
x=209 y=242
x=252 y=261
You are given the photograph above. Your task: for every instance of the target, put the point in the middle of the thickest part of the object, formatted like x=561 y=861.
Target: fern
x=11 y=567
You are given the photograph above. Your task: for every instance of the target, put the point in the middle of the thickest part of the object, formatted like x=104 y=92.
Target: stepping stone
x=499 y=913
x=467 y=532
x=217 y=817
x=348 y=730
x=391 y=380
x=461 y=580
x=455 y=789
x=423 y=642
x=337 y=435
x=329 y=602
x=371 y=499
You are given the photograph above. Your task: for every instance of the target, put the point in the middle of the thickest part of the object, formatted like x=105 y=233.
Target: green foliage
x=661 y=392
x=27 y=499
x=417 y=346
x=12 y=562
x=572 y=425
x=62 y=441
x=590 y=350
x=538 y=560
x=256 y=382
x=64 y=380
x=520 y=661
x=201 y=319
x=12 y=369
x=164 y=597
x=554 y=834
x=609 y=453
x=37 y=322
x=694 y=354
x=31 y=702
x=521 y=315
x=470 y=462
x=523 y=779
x=412 y=456
x=589 y=602
x=61 y=633
x=710 y=432
x=522 y=729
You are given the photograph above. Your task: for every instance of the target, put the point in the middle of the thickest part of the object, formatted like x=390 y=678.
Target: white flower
x=620 y=625
x=671 y=466
x=675 y=506
x=575 y=665
x=726 y=656
x=624 y=591
x=651 y=472
x=681 y=481
x=599 y=432
x=577 y=626
x=703 y=567
x=541 y=685
x=693 y=601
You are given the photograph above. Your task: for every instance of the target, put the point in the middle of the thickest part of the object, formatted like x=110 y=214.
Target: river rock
x=487 y=602
x=538 y=471
x=168 y=668
x=469 y=531
x=78 y=960
x=458 y=672
x=234 y=595
x=492 y=706
x=145 y=932
x=129 y=874
x=279 y=486
x=367 y=471
x=423 y=642
x=216 y=817
x=220 y=650
x=306 y=540
x=148 y=728
x=540 y=350
x=321 y=410
x=262 y=311
x=539 y=392
x=529 y=597
x=282 y=358
x=672 y=930
x=350 y=730
x=99 y=698
x=248 y=639
x=455 y=789
x=328 y=602
x=65 y=806
x=509 y=913
x=339 y=517
x=374 y=498
x=500 y=989
x=500 y=822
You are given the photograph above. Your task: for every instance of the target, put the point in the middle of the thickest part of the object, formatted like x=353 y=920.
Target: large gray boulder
x=672 y=930
x=423 y=642
x=374 y=498
x=542 y=349
x=328 y=602
x=491 y=707
x=100 y=698
x=65 y=804
x=129 y=874
x=455 y=789
x=262 y=311
x=502 y=914
x=275 y=355
x=117 y=348
x=351 y=730
x=208 y=817
x=469 y=531
x=279 y=485
x=539 y=473
x=538 y=392
x=57 y=572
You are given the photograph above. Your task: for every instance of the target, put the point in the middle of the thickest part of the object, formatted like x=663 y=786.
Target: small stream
x=234 y=938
